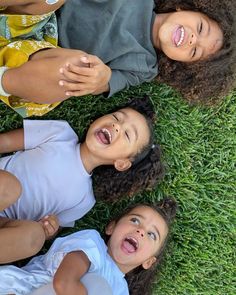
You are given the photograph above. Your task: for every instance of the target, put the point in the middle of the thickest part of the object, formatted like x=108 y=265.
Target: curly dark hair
x=140 y=280
x=208 y=80
x=147 y=168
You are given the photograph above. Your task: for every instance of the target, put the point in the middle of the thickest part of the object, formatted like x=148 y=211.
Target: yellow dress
x=21 y=36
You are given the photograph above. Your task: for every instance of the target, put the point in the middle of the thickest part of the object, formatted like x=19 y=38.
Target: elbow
x=58 y=286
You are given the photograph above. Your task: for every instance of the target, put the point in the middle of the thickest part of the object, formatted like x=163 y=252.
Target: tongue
x=102 y=137
x=177 y=35
x=129 y=247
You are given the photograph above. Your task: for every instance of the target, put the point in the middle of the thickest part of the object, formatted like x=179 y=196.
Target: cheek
x=178 y=54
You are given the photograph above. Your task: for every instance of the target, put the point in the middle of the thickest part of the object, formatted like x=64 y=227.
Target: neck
x=89 y=161
x=124 y=268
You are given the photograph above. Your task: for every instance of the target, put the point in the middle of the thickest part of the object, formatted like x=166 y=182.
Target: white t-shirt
x=41 y=269
x=51 y=172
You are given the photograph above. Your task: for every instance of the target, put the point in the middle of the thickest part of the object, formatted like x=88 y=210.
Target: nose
x=192 y=39
x=116 y=127
x=141 y=232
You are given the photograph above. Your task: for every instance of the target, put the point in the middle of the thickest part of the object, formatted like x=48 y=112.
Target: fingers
x=87 y=66
x=80 y=80
x=79 y=89
x=75 y=73
x=50 y=225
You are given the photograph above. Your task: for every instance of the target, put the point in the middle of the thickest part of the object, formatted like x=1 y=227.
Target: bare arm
x=38 y=79
x=12 y=141
x=67 y=277
x=30 y=6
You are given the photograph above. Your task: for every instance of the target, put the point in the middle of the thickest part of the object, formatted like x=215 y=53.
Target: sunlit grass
x=199 y=148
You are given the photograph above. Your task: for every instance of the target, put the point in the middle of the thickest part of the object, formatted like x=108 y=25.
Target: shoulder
x=48 y=130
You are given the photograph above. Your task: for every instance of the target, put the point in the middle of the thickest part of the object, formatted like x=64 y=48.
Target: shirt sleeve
x=38 y=132
x=130 y=70
x=87 y=241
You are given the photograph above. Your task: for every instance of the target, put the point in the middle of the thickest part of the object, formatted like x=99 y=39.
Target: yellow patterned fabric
x=21 y=36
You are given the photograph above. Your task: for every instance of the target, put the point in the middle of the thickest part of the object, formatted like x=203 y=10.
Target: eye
x=152 y=236
x=135 y=220
x=115 y=117
x=194 y=52
x=127 y=135
x=200 y=28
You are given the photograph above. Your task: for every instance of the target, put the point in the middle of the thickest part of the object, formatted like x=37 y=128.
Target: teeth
x=181 y=37
x=104 y=130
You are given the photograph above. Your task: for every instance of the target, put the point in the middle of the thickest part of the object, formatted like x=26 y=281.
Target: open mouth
x=130 y=244
x=104 y=135
x=178 y=36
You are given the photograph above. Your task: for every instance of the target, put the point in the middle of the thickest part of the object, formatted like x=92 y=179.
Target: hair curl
x=140 y=280
x=208 y=80
x=146 y=170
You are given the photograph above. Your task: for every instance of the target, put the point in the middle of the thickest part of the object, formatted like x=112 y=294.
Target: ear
x=178 y=8
x=149 y=262
x=122 y=164
x=110 y=227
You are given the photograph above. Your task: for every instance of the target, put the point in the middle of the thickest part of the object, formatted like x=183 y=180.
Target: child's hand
x=88 y=75
x=50 y=225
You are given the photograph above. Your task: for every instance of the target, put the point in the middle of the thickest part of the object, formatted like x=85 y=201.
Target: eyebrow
x=142 y=217
x=133 y=126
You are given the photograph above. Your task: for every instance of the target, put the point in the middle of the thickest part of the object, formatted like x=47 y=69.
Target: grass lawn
x=199 y=148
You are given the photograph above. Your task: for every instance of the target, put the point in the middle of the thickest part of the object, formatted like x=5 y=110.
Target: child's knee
x=10 y=189
x=34 y=237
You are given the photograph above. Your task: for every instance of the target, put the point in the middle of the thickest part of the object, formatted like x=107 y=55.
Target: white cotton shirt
x=51 y=172
x=40 y=270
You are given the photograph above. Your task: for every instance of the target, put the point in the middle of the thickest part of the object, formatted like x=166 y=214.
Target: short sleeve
x=38 y=132
x=88 y=241
x=135 y=70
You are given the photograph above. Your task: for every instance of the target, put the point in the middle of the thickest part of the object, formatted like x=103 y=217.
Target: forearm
x=74 y=288
x=38 y=79
x=12 y=141
x=16 y=2
x=30 y=6
x=67 y=277
x=34 y=82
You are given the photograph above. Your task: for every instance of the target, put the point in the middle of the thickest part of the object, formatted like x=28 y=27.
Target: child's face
x=136 y=238
x=186 y=35
x=115 y=138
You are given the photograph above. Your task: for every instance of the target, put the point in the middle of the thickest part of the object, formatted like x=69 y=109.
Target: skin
x=77 y=73
x=143 y=223
x=29 y=6
x=129 y=134
x=10 y=189
x=12 y=246
x=202 y=35
x=146 y=226
x=67 y=277
x=19 y=239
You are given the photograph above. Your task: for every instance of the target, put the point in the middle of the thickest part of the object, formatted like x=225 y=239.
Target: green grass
x=199 y=148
